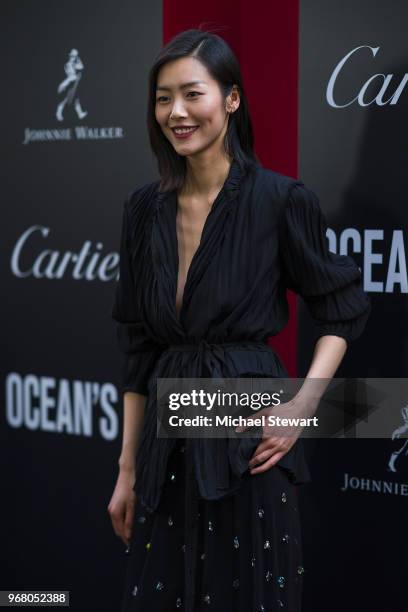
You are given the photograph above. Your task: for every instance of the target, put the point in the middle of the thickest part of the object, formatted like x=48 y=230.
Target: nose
x=178 y=110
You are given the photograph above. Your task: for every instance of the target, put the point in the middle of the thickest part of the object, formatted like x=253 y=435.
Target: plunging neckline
x=178 y=314
x=195 y=254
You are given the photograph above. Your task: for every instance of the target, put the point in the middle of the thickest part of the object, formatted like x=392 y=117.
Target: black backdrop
x=354 y=156
x=57 y=478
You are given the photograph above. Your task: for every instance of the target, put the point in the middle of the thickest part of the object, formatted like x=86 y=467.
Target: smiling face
x=190 y=108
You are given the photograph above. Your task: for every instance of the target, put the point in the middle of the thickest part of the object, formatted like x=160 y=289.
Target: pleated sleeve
x=139 y=351
x=330 y=284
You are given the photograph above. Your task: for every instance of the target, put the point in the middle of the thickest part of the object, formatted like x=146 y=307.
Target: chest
x=191 y=218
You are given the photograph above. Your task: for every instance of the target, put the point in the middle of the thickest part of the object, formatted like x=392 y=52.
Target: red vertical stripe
x=265 y=37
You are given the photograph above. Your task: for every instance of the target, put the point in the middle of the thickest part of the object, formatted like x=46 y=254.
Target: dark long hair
x=220 y=61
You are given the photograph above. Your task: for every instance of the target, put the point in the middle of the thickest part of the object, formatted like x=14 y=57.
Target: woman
x=207 y=254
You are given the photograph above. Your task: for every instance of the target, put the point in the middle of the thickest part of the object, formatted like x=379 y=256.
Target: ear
x=232 y=100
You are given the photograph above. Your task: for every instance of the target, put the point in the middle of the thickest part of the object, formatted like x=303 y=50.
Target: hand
x=276 y=440
x=121 y=507
x=398 y=432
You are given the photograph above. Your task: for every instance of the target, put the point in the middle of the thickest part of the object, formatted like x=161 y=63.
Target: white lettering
x=371 y=259
x=80 y=132
x=375 y=486
x=378 y=99
x=397 y=261
x=61 y=406
x=396 y=276
x=88 y=264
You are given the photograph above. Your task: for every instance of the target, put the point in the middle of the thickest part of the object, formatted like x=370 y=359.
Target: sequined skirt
x=246 y=556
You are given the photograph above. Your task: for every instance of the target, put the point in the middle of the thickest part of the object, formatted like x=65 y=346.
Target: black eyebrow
x=189 y=84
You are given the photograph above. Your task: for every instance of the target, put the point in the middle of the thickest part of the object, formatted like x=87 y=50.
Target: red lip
x=187 y=134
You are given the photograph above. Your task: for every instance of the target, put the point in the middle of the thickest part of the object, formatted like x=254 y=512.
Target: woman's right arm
x=139 y=349
x=121 y=507
x=134 y=408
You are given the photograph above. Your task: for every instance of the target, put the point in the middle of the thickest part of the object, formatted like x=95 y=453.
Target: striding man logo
x=69 y=86
x=396 y=435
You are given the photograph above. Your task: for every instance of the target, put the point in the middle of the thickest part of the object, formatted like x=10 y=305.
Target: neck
x=206 y=174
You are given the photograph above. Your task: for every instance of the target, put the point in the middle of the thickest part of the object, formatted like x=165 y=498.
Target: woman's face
x=187 y=96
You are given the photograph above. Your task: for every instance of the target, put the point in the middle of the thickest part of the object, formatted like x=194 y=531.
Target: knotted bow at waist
x=219 y=463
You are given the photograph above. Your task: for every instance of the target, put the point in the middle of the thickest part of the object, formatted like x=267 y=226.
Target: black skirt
x=246 y=555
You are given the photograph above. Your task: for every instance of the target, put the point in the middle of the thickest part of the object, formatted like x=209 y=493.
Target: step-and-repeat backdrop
x=352 y=153
x=74 y=145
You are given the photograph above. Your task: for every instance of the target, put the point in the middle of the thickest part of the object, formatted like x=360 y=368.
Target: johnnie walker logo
x=69 y=108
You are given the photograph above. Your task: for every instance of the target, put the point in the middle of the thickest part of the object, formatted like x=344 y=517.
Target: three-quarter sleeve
x=330 y=284
x=140 y=352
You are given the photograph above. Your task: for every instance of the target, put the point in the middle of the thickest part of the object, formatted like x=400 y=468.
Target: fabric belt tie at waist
x=211 y=354
x=205 y=345
x=219 y=462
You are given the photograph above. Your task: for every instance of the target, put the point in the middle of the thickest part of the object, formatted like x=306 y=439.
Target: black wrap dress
x=207 y=534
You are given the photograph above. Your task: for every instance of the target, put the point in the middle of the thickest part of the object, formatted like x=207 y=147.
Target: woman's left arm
x=331 y=286
x=328 y=353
